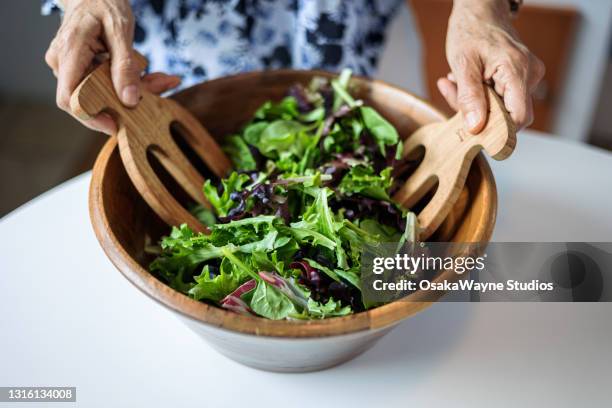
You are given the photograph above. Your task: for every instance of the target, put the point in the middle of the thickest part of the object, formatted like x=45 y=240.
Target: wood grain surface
x=449 y=151
x=144 y=131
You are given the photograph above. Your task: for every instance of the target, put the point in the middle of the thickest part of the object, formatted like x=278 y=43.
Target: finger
x=159 y=82
x=451 y=77
x=471 y=98
x=500 y=87
x=518 y=102
x=51 y=57
x=448 y=89
x=102 y=123
x=124 y=71
x=73 y=66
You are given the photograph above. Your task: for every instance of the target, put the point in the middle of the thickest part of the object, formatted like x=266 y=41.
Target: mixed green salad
x=313 y=180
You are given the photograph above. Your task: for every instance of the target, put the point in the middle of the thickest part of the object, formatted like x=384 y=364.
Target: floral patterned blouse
x=205 y=39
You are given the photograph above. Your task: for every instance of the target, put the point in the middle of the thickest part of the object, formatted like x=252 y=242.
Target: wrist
x=497 y=10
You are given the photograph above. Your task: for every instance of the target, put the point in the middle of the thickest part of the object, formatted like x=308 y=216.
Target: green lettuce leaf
x=362 y=180
x=204 y=215
x=329 y=309
x=223 y=203
x=383 y=132
x=285 y=109
x=239 y=153
x=217 y=287
x=269 y=302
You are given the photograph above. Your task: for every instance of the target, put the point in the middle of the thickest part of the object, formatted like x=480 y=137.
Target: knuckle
x=512 y=71
x=50 y=57
x=463 y=61
x=538 y=67
x=53 y=45
x=124 y=64
x=503 y=73
x=70 y=35
x=56 y=45
x=469 y=97
x=62 y=100
x=517 y=56
x=119 y=25
x=516 y=61
x=521 y=116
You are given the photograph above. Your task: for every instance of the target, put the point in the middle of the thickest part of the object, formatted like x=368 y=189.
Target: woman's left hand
x=483 y=47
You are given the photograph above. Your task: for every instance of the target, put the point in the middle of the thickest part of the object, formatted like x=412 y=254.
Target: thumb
x=124 y=68
x=471 y=98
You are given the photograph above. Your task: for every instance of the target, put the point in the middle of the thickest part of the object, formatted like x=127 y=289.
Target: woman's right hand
x=92 y=27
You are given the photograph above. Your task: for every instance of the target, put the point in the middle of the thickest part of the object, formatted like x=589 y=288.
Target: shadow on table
x=400 y=362
x=418 y=342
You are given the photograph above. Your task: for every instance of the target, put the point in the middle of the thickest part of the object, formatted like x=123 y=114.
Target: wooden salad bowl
x=124 y=225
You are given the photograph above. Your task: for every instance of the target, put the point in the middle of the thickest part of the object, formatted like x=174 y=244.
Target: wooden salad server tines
x=145 y=130
x=449 y=152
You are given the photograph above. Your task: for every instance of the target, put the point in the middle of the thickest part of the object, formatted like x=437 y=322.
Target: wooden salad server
x=449 y=152
x=144 y=131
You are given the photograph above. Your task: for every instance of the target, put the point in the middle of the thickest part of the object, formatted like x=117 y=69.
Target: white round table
x=68 y=318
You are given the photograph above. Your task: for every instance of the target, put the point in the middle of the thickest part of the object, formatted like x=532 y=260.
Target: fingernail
x=130 y=95
x=472 y=119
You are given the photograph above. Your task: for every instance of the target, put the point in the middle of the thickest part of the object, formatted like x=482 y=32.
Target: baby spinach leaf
x=252 y=133
x=269 y=302
x=349 y=275
x=279 y=136
x=383 y=132
x=239 y=153
x=314 y=115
